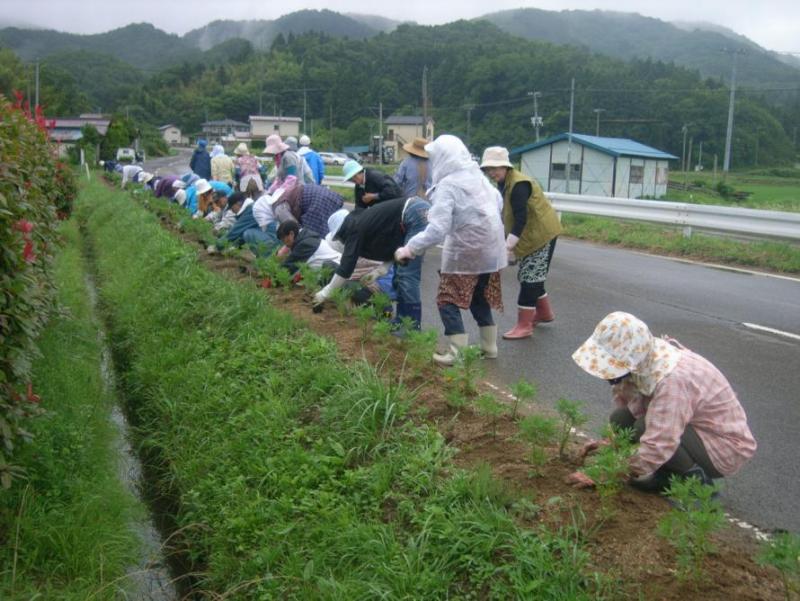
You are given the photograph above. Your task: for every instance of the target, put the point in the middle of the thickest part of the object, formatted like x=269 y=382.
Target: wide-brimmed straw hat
x=495 y=156
x=241 y=149
x=275 y=145
x=416 y=147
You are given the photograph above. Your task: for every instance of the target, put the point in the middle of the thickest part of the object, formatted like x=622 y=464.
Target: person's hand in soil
x=591 y=447
x=579 y=480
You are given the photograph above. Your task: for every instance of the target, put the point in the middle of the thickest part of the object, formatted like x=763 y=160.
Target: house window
x=559 y=171
x=637 y=174
x=276 y=127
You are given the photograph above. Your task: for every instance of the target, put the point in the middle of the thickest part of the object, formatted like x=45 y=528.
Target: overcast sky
x=774 y=24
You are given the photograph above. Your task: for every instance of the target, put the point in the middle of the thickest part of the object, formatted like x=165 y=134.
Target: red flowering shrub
x=35 y=189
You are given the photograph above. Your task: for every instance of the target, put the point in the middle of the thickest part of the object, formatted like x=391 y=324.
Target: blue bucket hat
x=350 y=169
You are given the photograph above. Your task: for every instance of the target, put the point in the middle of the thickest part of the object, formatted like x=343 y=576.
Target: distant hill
x=375 y=22
x=140 y=44
x=629 y=35
x=261 y=33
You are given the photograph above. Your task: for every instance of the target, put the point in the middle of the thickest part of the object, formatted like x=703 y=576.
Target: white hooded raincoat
x=465 y=212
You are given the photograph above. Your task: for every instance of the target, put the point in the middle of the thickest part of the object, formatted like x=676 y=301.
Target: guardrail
x=337 y=180
x=753 y=222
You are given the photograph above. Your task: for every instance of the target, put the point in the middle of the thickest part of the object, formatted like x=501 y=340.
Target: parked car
x=342 y=156
x=126 y=155
x=332 y=158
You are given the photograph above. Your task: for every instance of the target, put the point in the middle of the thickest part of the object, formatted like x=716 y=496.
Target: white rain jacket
x=465 y=212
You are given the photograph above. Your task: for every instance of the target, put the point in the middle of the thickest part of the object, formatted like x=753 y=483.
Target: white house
x=171 y=134
x=262 y=126
x=598 y=166
x=401 y=129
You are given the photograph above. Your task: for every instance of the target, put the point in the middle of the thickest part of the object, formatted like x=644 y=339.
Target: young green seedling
x=381 y=303
x=341 y=298
x=782 y=552
x=364 y=316
x=489 y=406
x=420 y=345
x=539 y=431
x=688 y=526
x=571 y=418
x=609 y=468
x=524 y=392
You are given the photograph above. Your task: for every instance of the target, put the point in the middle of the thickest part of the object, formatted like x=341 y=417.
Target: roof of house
x=612 y=146
x=76 y=123
x=167 y=126
x=274 y=118
x=404 y=120
x=225 y=122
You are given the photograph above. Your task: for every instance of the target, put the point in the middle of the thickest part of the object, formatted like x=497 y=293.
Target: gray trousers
x=690 y=452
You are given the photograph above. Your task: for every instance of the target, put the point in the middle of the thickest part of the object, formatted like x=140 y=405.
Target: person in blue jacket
x=312 y=158
x=201 y=160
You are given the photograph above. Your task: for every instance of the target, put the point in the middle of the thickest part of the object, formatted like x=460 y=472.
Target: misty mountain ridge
x=620 y=35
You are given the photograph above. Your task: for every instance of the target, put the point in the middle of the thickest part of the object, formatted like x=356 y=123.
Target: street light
x=597 y=125
x=536 y=120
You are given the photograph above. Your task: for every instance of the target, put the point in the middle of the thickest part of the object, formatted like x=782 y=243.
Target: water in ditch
x=150 y=579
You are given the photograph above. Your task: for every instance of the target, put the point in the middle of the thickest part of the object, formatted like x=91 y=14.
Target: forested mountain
x=470 y=64
x=480 y=83
x=261 y=33
x=140 y=44
x=376 y=22
x=629 y=35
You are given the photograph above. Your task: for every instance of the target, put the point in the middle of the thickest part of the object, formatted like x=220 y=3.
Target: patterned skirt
x=533 y=268
x=458 y=289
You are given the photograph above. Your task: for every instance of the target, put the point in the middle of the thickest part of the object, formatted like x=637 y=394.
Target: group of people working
x=681 y=409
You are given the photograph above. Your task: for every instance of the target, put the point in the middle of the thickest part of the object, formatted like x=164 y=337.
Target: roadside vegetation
x=293 y=481
x=65 y=525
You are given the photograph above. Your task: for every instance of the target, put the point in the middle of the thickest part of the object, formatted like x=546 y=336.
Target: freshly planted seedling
x=420 y=345
x=341 y=298
x=364 y=316
x=609 y=468
x=539 y=431
x=309 y=277
x=524 y=392
x=381 y=303
x=382 y=331
x=782 y=552
x=489 y=406
x=571 y=417
x=687 y=527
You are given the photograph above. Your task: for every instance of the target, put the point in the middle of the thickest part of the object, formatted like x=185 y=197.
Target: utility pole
x=597 y=125
x=260 y=103
x=726 y=163
x=536 y=120
x=380 y=132
x=424 y=98
x=305 y=106
x=469 y=123
x=700 y=157
x=569 y=136
x=685 y=130
x=331 y=107
x=37 y=85
x=688 y=165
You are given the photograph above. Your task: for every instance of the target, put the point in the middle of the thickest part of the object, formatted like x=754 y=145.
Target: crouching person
x=375 y=235
x=683 y=412
x=305 y=246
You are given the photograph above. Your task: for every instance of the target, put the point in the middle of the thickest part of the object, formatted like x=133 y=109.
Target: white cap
x=202 y=186
x=305 y=140
x=180 y=197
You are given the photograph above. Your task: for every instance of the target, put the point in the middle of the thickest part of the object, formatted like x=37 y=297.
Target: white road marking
x=722 y=267
x=754 y=326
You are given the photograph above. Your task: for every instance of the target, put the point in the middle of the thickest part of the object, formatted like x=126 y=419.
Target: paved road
x=703 y=307
x=171 y=165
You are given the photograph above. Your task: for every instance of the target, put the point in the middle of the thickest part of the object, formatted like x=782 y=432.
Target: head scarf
x=218 y=150
x=621 y=344
x=448 y=156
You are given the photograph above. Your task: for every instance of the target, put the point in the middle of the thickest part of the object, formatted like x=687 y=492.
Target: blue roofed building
x=598 y=166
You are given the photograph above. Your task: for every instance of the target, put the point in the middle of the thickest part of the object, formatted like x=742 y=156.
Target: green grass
x=298 y=476
x=766 y=191
x=766 y=255
x=64 y=529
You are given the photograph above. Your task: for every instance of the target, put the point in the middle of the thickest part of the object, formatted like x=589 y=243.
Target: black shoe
x=658 y=482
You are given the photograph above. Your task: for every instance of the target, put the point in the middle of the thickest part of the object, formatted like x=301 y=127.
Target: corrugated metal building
x=598 y=166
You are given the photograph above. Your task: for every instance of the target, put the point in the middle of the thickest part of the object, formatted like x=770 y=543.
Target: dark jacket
x=373 y=234
x=244 y=222
x=380 y=182
x=305 y=245
x=201 y=163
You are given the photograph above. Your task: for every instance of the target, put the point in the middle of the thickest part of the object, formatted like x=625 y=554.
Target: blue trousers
x=407 y=277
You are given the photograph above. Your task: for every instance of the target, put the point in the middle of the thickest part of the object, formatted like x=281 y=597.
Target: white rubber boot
x=457 y=342
x=489 y=342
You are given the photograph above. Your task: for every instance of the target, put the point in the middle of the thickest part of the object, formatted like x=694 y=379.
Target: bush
x=35 y=190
